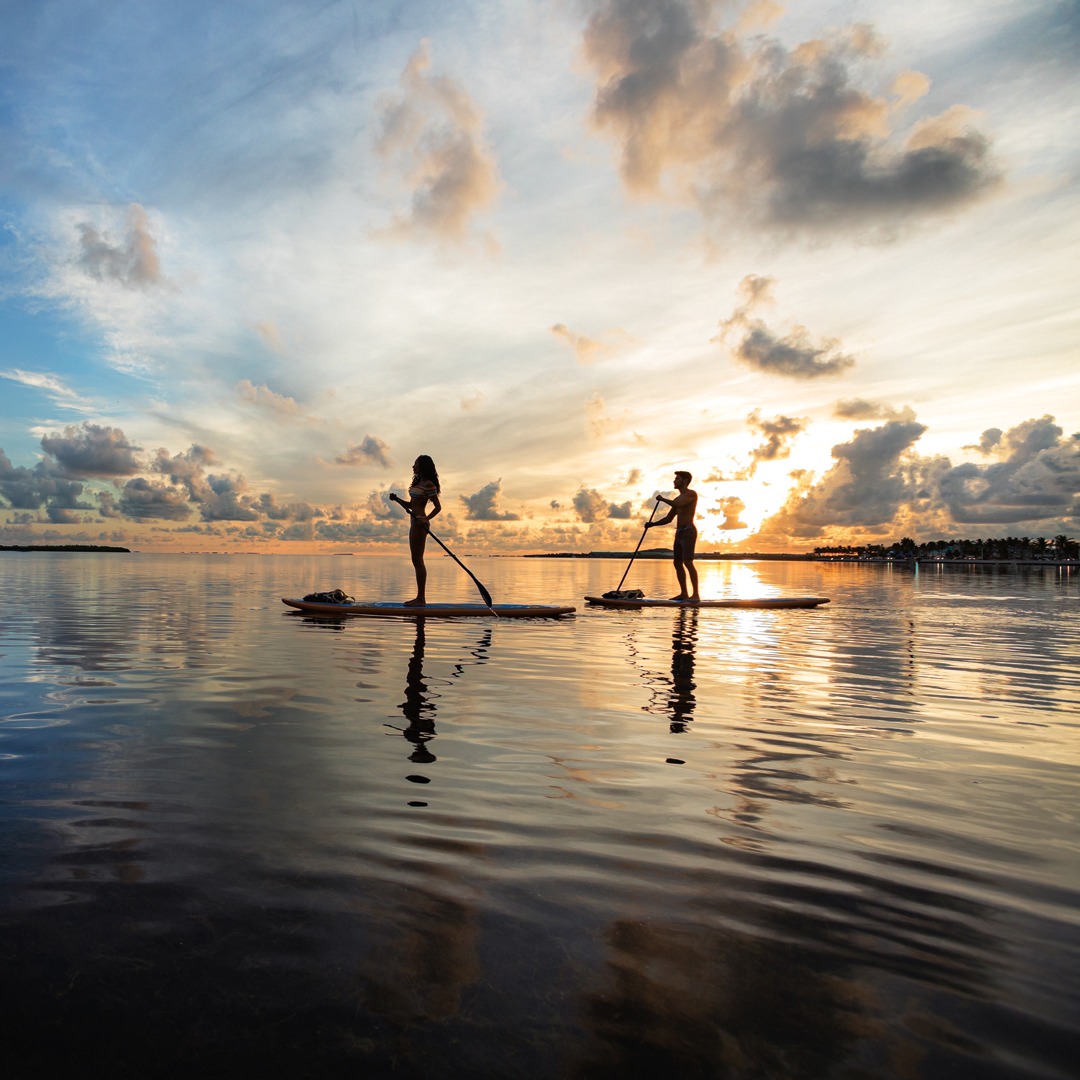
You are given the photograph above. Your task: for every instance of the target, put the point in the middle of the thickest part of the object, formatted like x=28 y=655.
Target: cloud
x=779 y=137
x=779 y=434
x=269 y=506
x=588 y=350
x=879 y=481
x=218 y=497
x=90 y=450
x=142 y=499
x=865 y=487
x=990 y=440
x=228 y=500
x=370 y=450
x=794 y=355
x=1037 y=478
x=483 y=506
x=132 y=261
x=44 y=485
x=59 y=392
x=861 y=409
x=264 y=398
x=187 y=470
x=592 y=507
x=599 y=421
x=432 y=134
x=731 y=507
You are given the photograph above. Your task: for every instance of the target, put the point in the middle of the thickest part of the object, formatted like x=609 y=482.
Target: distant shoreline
x=64 y=547
x=769 y=556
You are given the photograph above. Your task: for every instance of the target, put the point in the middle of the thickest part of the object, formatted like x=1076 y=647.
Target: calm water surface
x=829 y=843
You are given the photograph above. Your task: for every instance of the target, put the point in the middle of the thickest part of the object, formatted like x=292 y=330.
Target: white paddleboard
x=760 y=602
x=391 y=609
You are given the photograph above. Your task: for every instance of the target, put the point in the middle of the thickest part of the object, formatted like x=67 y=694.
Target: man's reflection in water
x=419 y=708
x=681 y=700
x=674 y=696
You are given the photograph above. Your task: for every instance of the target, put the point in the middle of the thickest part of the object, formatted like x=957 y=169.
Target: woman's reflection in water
x=419 y=708
x=681 y=700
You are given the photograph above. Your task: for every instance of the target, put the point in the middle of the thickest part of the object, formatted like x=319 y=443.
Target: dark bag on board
x=335 y=596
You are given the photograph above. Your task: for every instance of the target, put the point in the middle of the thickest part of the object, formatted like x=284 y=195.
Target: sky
x=256 y=256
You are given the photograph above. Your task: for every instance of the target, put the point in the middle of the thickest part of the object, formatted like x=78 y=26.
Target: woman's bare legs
x=417 y=540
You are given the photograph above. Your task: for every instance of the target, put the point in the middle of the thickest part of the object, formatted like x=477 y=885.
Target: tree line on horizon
x=1006 y=547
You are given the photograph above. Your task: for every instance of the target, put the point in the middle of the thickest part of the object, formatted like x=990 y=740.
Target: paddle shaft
x=484 y=594
x=634 y=556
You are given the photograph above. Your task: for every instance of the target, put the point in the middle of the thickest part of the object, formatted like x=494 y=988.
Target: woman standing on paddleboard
x=424 y=489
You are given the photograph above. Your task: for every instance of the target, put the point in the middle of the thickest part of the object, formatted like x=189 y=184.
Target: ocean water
x=839 y=842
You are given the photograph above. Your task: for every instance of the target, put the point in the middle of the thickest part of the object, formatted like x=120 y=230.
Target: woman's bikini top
x=425 y=489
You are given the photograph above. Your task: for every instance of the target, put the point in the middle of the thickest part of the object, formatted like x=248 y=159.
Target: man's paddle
x=634 y=556
x=484 y=594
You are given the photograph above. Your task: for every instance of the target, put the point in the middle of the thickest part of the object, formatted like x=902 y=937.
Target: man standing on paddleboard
x=682 y=513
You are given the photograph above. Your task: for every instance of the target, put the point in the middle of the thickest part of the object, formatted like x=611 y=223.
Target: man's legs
x=683 y=550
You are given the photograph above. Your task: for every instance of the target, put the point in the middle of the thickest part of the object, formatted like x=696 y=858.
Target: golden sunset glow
x=826 y=265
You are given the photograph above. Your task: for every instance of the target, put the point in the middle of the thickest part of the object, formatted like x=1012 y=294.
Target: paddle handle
x=484 y=594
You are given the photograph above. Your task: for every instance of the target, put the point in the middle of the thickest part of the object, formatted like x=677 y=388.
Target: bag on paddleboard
x=335 y=596
x=624 y=594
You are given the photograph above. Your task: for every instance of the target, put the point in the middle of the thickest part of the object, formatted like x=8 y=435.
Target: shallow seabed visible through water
x=839 y=842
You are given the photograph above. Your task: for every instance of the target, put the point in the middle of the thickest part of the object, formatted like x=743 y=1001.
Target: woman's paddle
x=634 y=556
x=484 y=594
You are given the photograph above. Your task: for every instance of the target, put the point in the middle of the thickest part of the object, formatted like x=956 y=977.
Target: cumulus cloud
x=91 y=450
x=218 y=497
x=861 y=409
x=779 y=434
x=143 y=499
x=1036 y=478
x=878 y=480
x=371 y=450
x=264 y=398
x=432 y=134
x=484 y=504
x=187 y=470
x=132 y=261
x=988 y=442
x=588 y=350
x=793 y=354
x=592 y=507
x=42 y=486
x=269 y=506
x=776 y=136
x=865 y=487
x=731 y=507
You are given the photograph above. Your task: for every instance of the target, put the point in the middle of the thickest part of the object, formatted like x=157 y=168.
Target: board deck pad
x=736 y=602
x=391 y=609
